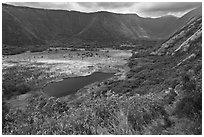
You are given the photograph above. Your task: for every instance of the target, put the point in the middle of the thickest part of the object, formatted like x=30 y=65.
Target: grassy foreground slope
x=161 y=95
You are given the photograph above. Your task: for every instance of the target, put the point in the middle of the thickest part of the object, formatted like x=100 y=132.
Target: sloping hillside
x=24 y=25
x=182 y=40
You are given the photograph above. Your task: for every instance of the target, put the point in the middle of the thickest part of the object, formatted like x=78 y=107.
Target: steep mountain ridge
x=34 y=25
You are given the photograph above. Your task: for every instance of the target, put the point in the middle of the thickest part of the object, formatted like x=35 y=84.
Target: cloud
x=168 y=7
x=44 y=5
x=115 y=5
x=171 y=6
x=86 y=4
x=106 y=5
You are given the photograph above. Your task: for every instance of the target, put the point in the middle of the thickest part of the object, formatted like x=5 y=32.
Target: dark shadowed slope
x=23 y=25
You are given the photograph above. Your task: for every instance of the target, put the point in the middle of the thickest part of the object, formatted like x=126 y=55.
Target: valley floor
x=36 y=69
x=156 y=96
x=68 y=63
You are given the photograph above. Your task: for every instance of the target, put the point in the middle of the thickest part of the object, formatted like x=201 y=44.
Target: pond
x=71 y=85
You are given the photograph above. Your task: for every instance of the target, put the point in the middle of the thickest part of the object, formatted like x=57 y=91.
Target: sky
x=144 y=9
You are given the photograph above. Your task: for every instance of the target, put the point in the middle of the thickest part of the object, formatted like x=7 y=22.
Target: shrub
x=10 y=89
x=190 y=106
x=144 y=111
x=189 y=85
x=5 y=110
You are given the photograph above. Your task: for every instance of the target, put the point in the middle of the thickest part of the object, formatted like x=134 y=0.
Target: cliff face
x=23 y=25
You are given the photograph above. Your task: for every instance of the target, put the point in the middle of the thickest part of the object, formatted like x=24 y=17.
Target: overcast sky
x=145 y=9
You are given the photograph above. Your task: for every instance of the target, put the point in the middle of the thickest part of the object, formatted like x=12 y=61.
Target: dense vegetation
x=157 y=98
x=110 y=113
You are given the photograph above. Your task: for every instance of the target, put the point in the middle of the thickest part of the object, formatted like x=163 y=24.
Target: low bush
x=10 y=89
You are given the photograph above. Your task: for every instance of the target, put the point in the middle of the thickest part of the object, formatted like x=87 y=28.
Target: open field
x=38 y=68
